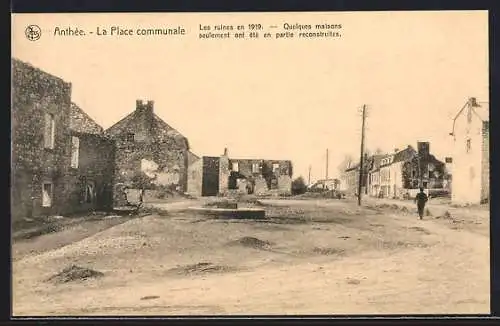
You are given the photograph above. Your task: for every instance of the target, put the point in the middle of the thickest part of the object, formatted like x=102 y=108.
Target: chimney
x=141 y=105
x=396 y=150
x=225 y=151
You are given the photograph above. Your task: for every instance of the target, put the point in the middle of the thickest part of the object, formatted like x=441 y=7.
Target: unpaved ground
x=309 y=257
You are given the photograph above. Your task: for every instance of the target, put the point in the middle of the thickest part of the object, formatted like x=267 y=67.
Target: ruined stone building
x=59 y=157
x=220 y=175
x=147 y=147
x=471 y=160
x=92 y=164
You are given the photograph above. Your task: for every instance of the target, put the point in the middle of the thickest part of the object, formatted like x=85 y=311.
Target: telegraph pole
x=361 y=170
x=309 y=179
x=326 y=174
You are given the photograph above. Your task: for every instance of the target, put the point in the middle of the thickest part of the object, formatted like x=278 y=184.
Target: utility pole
x=361 y=170
x=309 y=179
x=326 y=174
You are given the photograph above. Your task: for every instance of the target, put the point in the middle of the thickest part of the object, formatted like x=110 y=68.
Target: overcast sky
x=277 y=99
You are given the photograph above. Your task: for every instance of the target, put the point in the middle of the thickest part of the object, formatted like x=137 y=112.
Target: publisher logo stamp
x=33 y=32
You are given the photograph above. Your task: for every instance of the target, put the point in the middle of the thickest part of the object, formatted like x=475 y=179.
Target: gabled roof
x=404 y=154
x=81 y=122
x=482 y=111
x=375 y=161
x=478 y=109
x=162 y=130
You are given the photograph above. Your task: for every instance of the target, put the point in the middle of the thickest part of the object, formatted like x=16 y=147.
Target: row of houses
x=63 y=162
x=393 y=175
x=401 y=173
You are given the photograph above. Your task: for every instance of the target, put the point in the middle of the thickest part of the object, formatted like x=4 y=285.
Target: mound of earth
x=328 y=251
x=74 y=273
x=201 y=268
x=252 y=242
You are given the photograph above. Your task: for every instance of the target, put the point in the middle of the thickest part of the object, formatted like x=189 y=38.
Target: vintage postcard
x=250 y=163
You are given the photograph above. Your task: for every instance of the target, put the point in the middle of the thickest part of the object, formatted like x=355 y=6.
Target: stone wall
x=263 y=177
x=95 y=166
x=195 y=177
x=142 y=136
x=35 y=93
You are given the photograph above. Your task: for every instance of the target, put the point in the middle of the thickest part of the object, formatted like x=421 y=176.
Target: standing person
x=421 y=200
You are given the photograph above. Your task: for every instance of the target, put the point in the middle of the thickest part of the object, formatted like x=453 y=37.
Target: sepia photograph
x=271 y=163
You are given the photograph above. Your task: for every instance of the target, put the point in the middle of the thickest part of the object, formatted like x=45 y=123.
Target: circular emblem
x=33 y=32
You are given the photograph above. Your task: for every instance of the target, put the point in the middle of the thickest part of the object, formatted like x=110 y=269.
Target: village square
x=341 y=171
x=136 y=223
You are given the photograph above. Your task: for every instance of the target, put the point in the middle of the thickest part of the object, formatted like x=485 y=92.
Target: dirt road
x=309 y=257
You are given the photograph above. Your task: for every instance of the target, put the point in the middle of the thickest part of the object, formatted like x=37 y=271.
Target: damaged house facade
x=60 y=162
x=471 y=158
x=146 y=147
x=221 y=175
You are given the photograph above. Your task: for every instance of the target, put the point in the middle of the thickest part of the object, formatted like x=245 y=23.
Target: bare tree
x=348 y=159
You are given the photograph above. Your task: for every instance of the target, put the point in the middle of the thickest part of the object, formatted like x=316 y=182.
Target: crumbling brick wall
x=35 y=93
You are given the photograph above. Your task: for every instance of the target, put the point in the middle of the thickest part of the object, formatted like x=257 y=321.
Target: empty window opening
x=130 y=137
x=89 y=196
x=47 y=194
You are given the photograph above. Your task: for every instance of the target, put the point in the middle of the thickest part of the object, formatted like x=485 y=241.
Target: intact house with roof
x=470 y=166
x=221 y=175
x=60 y=161
x=146 y=147
x=350 y=178
x=396 y=175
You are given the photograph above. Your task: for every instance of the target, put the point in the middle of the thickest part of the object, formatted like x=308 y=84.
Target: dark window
x=130 y=137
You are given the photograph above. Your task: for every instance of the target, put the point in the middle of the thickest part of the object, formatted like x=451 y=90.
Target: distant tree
x=298 y=186
x=379 y=151
x=345 y=163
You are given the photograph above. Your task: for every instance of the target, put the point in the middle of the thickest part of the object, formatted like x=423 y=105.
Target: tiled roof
x=404 y=154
